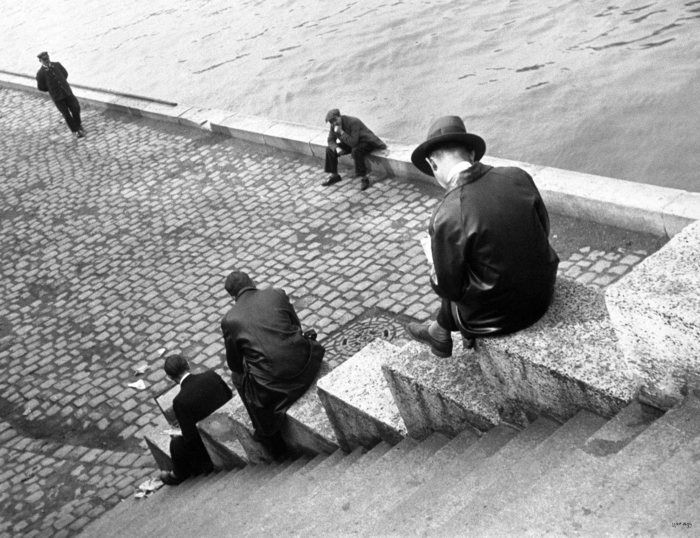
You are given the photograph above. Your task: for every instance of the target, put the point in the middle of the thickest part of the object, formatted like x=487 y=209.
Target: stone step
x=325 y=498
x=455 y=495
x=352 y=507
x=287 y=497
x=293 y=515
x=308 y=429
x=666 y=495
x=411 y=513
x=566 y=498
x=357 y=400
x=655 y=310
x=215 y=504
x=622 y=429
x=512 y=484
x=567 y=361
x=441 y=395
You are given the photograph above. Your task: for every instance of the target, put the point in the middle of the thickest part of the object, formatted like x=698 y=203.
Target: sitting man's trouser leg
x=185 y=463
x=332 y=155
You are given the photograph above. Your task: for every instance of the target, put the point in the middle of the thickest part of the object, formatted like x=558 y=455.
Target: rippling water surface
x=610 y=88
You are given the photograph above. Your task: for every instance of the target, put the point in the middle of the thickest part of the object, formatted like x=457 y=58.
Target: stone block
x=683 y=210
x=396 y=161
x=157 y=440
x=441 y=395
x=229 y=428
x=358 y=402
x=616 y=202
x=290 y=137
x=224 y=448
x=569 y=360
x=318 y=144
x=655 y=310
x=242 y=127
x=308 y=428
x=193 y=117
x=163 y=112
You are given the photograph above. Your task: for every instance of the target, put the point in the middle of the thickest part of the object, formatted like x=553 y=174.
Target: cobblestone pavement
x=116 y=247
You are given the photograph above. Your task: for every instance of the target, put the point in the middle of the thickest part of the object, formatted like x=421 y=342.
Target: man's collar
x=185 y=376
x=454 y=173
x=243 y=290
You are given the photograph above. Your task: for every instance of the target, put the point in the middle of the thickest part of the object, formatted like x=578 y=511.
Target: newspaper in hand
x=425 y=242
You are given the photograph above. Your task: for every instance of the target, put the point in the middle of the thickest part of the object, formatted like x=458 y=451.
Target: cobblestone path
x=116 y=246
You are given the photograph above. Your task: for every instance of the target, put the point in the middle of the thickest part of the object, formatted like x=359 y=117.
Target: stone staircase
x=559 y=429
x=591 y=476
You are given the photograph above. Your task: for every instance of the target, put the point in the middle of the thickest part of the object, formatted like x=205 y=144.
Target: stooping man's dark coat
x=354 y=133
x=272 y=362
x=200 y=395
x=491 y=251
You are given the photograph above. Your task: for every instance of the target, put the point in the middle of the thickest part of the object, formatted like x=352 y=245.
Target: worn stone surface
x=358 y=402
x=569 y=360
x=441 y=395
x=307 y=428
x=655 y=311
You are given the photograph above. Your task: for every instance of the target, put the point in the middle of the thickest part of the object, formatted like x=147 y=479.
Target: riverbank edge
x=640 y=207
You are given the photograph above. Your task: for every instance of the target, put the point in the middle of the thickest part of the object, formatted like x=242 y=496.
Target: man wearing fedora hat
x=349 y=135
x=494 y=268
x=52 y=77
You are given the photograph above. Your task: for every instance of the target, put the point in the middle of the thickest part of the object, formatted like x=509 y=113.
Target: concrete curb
x=640 y=207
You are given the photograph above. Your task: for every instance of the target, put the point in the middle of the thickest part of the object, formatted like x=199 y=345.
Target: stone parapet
x=441 y=395
x=655 y=310
x=630 y=205
x=567 y=361
x=358 y=402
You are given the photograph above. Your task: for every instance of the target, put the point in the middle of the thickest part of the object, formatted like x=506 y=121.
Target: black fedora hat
x=443 y=130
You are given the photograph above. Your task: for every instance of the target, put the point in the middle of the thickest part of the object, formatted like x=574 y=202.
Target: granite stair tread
x=448 y=503
x=565 y=498
x=408 y=514
x=643 y=506
x=331 y=498
x=384 y=487
x=513 y=483
x=286 y=497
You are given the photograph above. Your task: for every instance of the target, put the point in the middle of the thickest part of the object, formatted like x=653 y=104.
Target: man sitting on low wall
x=494 y=266
x=272 y=361
x=200 y=395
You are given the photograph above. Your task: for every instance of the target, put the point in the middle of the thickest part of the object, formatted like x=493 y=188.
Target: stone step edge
x=634 y=206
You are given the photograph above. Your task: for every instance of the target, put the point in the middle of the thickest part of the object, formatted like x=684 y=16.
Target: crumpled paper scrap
x=148 y=487
x=138 y=385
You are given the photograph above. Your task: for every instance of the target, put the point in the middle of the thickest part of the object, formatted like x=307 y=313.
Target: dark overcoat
x=491 y=251
x=54 y=79
x=200 y=395
x=354 y=133
x=272 y=361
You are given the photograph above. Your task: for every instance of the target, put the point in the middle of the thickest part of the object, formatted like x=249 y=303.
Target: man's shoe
x=332 y=180
x=364 y=183
x=79 y=134
x=419 y=332
x=169 y=478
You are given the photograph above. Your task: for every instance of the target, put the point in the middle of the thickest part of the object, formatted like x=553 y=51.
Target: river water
x=606 y=87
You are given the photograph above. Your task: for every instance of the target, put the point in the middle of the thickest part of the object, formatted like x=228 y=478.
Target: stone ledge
x=636 y=206
x=655 y=310
x=567 y=361
x=358 y=402
x=441 y=395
